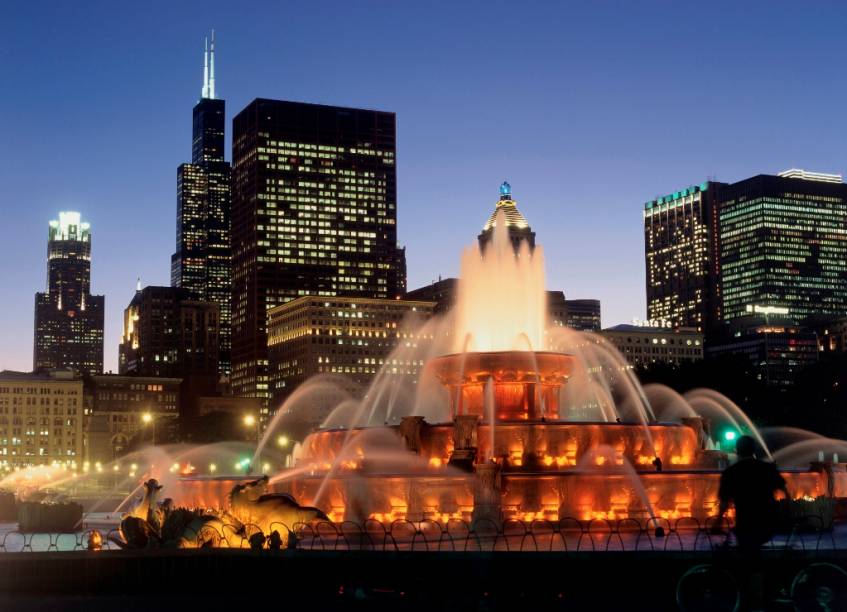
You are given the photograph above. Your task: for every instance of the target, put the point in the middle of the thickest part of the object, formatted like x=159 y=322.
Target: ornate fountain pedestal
x=487 y=496
x=464 y=441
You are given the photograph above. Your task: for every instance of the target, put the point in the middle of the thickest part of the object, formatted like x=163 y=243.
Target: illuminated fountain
x=512 y=419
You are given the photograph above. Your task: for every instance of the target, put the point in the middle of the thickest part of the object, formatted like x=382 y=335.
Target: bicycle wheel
x=820 y=587
x=706 y=588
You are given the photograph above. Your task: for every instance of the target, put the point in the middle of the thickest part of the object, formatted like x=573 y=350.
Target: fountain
x=514 y=419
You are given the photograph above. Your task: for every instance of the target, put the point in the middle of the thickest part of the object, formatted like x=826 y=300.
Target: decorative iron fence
x=566 y=535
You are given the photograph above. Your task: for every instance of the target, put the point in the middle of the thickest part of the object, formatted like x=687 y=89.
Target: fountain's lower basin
x=543 y=471
x=525 y=496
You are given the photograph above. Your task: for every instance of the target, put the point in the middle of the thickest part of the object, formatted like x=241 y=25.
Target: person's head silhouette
x=745 y=446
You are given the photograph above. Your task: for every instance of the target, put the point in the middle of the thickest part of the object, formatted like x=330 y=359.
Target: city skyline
x=581 y=177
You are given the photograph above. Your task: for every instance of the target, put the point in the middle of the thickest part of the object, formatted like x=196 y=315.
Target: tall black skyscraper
x=679 y=246
x=314 y=213
x=719 y=253
x=201 y=262
x=68 y=319
x=782 y=243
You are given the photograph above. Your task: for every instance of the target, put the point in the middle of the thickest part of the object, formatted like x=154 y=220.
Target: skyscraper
x=719 y=255
x=680 y=257
x=783 y=246
x=314 y=213
x=167 y=333
x=202 y=261
x=68 y=319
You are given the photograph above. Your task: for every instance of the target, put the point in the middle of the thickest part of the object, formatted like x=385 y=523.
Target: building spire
x=212 y=68
x=205 y=93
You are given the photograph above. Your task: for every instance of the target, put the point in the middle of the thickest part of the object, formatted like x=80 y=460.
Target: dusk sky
x=588 y=109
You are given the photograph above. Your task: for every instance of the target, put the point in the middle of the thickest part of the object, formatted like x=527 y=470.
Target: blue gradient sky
x=588 y=109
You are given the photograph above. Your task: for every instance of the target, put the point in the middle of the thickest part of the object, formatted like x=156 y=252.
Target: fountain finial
x=505 y=191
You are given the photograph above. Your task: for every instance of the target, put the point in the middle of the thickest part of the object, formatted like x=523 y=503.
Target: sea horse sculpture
x=252 y=505
x=253 y=512
x=154 y=525
x=137 y=528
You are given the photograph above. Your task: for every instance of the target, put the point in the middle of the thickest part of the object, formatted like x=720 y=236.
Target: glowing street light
x=147 y=419
x=252 y=421
x=282 y=441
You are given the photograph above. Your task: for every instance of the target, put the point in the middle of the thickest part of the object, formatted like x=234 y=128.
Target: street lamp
x=147 y=419
x=251 y=421
x=283 y=442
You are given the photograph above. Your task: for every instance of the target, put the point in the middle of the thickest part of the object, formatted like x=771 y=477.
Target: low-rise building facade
x=644 y=345
x=341 y=335
x=118 y=407
x=41 y=419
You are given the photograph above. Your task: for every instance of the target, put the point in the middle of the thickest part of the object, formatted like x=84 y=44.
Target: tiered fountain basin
x=525 y=383
x=528 y=465
x=543 y=483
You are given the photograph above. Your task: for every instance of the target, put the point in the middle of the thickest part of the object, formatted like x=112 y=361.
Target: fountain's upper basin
x=525 y=383
x=546 y=446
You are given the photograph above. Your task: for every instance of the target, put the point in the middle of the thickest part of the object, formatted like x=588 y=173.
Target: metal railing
x=566 y=535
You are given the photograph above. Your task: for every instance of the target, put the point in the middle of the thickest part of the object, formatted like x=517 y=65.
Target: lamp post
x=250 y=421
x=148 y=419
x=282 y=441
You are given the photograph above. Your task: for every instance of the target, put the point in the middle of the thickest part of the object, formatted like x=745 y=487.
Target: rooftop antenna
x=138 y=284
x=205 y=93
x=212 y=68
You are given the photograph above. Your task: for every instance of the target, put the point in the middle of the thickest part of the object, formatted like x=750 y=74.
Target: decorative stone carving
x=465 y=432
x=487 y=493
x=699 y=425
x=464 y=441
x=410 y=431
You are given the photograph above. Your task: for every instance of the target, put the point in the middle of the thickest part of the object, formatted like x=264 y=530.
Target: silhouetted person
x=750 y=485
x=657 y=463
